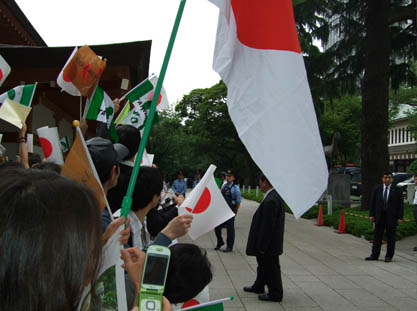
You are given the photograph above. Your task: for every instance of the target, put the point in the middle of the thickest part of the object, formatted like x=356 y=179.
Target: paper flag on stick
x=14 y=113
x=207 y=205
x=29 y=142
x=79 y=166
x=51 y=145
x=4 y=70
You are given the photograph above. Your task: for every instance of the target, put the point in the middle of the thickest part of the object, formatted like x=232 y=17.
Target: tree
x=205 y=115
x=376 y=48
x=344 y=116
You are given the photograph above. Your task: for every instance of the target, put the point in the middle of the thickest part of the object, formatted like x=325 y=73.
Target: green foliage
x=199 y=133
x=251 y=195
x=357 y=226
x=344 y=116
x=412 y=168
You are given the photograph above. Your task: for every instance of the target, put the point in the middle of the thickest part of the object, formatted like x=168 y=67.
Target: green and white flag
x=100 y=107
x=144 y=91
x=123 y=113
x=65 y=144
x=138 y=115
x=142 y=99
x=139 y=91
x=22 y=94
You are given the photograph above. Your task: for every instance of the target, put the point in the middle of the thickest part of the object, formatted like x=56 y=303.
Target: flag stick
x=81 y=107
x=127 y=200
x=210 y=303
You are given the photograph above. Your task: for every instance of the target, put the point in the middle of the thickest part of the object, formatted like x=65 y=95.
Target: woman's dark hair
x=130 y=137
x=148 y=184
x=188 y=273
x=10 y=165
x=49 y=240
x=50 y=166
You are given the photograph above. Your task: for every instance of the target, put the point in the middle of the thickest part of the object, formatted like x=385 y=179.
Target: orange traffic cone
x=342 y=224
x=320 y=221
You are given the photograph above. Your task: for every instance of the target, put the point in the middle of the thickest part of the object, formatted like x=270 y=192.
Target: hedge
x=355 y=225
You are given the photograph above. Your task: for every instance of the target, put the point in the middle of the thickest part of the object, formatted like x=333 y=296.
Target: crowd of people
x=53 y=229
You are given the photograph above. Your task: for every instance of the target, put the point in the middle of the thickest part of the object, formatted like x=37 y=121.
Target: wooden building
x=33 y=61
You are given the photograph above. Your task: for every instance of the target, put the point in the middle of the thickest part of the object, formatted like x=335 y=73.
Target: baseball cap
x=105 y=154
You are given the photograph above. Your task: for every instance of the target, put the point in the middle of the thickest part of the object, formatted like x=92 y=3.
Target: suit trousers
x=380 y=227
x=269 y=274
x=230 y=227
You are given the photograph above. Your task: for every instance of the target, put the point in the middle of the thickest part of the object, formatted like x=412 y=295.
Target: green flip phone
x=153 y=278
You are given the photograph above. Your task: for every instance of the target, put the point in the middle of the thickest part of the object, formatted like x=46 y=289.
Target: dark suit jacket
x=267 y=229
x=395 y=207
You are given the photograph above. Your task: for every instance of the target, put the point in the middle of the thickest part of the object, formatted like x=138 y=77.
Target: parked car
x=403 y=185
x=399 y=177
x=356 y=184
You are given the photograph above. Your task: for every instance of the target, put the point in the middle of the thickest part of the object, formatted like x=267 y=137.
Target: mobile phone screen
x=156 y=266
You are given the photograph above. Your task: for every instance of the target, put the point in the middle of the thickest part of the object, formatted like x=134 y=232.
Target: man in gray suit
x=265 y=241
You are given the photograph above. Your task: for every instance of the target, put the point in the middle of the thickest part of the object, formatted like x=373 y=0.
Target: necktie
x=385 y=197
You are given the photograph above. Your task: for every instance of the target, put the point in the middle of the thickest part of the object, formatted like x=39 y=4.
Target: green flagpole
x=127 y=200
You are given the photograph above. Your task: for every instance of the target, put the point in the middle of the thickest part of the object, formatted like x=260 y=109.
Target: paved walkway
x=322 y=270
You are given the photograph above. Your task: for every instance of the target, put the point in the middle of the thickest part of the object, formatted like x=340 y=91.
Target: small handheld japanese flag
x=4 y=70
x=65 y=82
x=207 y=205
x=51 y=144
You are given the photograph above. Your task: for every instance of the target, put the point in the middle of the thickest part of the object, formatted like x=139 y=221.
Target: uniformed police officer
x=233 y=197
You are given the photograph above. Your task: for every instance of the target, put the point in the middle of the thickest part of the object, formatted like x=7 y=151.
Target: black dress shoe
x=388 y=259
x=218 y=246
x=227 y=250
x=371 y=258
x=268 y=297
x=415 y=249
x=251 y=289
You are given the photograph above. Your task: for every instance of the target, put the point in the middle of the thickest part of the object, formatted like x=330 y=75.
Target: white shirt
x=141 y=237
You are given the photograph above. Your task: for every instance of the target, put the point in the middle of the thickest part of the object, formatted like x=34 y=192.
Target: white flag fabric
x=110 y=285
x=64 y=82
x=51 y=144
x=29 y=142
x=4 y=70
x=258 y=56
x=207 y=205
x=147 y=159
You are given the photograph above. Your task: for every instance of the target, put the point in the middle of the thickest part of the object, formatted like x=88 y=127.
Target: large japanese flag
x=207 y=205
x=51 y=144
x=258 y=55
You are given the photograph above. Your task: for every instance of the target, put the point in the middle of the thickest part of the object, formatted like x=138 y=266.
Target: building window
x=395 y=138
x=403 y=136
x=406 y=135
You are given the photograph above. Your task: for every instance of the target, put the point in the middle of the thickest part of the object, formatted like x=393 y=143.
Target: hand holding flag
x=207 y=205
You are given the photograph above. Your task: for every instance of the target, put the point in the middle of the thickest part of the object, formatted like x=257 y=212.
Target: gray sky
x=79 y=22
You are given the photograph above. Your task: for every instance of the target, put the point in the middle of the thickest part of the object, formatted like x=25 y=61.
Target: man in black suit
x=265 y=241
x=387 y=209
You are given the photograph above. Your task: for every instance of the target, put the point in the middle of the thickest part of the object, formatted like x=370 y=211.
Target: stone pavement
x=322 y=270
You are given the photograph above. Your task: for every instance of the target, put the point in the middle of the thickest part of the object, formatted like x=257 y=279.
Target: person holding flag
x=233 y=197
